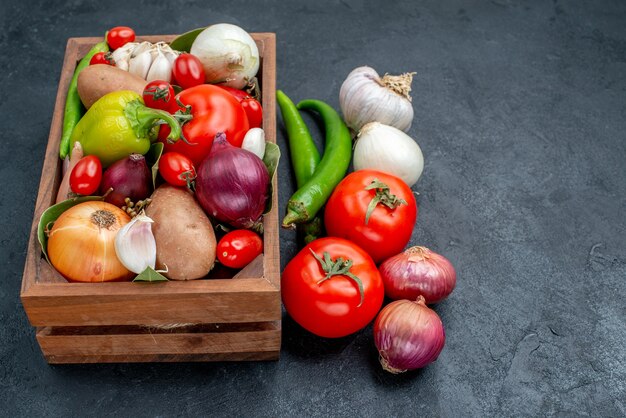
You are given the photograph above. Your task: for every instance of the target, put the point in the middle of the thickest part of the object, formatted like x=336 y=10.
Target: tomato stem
x=383 y=196
x=338 y=267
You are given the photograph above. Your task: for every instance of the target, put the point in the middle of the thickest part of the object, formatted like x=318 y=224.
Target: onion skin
x=81 y=244
x=408 y=335
x=418 y=271
x=129 y=177
x=232 y=185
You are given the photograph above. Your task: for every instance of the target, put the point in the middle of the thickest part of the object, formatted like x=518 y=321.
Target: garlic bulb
x=147 y=60
x=385 y=148
x=228 y=53
x=135 y=245
x=254 y=141
x=365 y=97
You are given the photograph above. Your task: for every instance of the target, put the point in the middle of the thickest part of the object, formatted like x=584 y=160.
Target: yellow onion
x=81 y=244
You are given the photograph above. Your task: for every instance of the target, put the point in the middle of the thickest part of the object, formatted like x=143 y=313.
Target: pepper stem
x=338 y=267
x=383 y=196
x=143 y=119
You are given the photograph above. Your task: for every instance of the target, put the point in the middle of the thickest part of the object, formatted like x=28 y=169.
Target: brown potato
x=184 y=235
x=97 y=80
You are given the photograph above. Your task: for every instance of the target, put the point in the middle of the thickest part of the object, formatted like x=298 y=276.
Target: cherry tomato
x=238 y=248
x=102 y=58
x=86 y=175
x=176 y=169
x=120 y=36
x=253 y=108
x=188 y=71
x=387 y=231
x=333 y=306
x=159 y=94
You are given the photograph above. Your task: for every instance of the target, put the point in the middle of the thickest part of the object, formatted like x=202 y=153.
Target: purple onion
x=232 y=184
x=129 y=177
x=408 y=335
x=418 y=271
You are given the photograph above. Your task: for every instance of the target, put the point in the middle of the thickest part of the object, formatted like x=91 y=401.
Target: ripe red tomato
x=253 y=108
x=388 y=230
x=101 y=58
x=332 y=307
x=176 y=169
x=213 y=110
x=238 y=248
x=86 y=175
x=120 y=36
x=188 y=71
x=159 y=94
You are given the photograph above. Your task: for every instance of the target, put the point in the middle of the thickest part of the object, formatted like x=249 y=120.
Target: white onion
x=228 y=53
x=385 y=148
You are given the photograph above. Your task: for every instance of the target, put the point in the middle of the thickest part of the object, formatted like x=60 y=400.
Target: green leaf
x=150 y=275
x=271 y=159
x=50 y=215
x=153 y=156
x=183 y=42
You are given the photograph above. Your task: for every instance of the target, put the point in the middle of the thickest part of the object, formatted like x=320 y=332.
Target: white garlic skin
x=135 y=245
x=254 y=141
x=388 y=149
x=364 y=98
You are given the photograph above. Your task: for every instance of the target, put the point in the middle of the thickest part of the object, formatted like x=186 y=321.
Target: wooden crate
x=233 y=318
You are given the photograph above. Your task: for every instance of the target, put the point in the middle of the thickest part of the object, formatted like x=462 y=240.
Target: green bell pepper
x=119 y=124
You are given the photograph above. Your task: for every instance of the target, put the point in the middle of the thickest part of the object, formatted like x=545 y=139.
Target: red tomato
x=188 y=71
x=253 y=108
x=120 y=36
x=213 y=110
x=176 y=169
x=332 y=307
x=387 y=231
x=86 y=175
x=102 y=58
x=159 y=94
x=238 y=248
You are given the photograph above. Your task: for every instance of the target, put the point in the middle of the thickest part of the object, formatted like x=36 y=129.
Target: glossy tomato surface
x=238 y=248
x=176 y=169
x=159 y=94
x=387 y=231
x=331 y=308
x=101 y=58
x=214 y=110
x=120 y=36
x=86 y=176
x=253 y=108
x=188 y=71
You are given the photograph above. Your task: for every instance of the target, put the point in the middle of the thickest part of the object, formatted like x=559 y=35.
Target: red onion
x=408 y=335
x=129 y=177
x=232 y=184
x=418 y=271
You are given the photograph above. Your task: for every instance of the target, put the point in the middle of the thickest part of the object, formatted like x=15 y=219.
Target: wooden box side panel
x=137 y=344
x=49 y=300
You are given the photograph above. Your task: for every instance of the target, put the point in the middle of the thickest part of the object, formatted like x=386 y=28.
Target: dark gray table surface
x=520 y=110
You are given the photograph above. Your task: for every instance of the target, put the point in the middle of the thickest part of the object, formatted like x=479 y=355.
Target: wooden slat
x=159 y=346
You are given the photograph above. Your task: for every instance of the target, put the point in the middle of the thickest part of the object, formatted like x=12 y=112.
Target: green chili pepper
x=307 y=201
x=119 y=124
x=304 y=157
x=74 y=108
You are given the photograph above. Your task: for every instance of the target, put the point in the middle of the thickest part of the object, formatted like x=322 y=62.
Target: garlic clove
x=121 y=56
x=140 y=64
x=141 y=48
x=135 y=245
x=161 y=69
x=254 y=141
